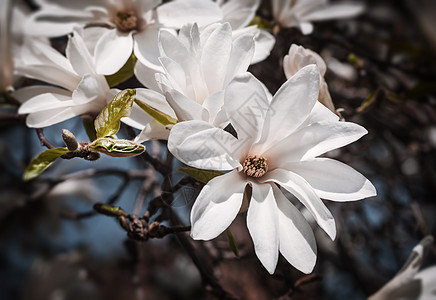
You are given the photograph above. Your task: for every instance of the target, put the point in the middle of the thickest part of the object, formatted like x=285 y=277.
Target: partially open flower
x=299 y=57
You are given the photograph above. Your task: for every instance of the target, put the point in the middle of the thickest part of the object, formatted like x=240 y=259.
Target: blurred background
x=381 y=75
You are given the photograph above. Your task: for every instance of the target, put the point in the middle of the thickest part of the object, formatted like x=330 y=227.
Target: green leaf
x=232 y=242
x=201 y=175
x=44 y=160
x=107 y=122
x=159 y=116
x=116 y=147
x=124 y=73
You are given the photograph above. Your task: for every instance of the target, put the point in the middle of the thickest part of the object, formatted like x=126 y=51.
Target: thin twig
x=43 y=139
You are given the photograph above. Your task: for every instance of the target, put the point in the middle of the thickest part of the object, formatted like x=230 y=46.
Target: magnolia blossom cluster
x=192 y=58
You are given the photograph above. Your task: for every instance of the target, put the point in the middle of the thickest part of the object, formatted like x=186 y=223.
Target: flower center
x=255 y=166
x=126 y=20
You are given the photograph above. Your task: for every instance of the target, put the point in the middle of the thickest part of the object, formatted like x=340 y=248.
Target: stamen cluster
x=255 y=166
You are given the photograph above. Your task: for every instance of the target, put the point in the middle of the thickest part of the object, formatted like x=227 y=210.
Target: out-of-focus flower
x=238 y=13
x=6 y=61
x=120 y=26
x=300 y=13
x=277 y=145
x=197 y=66
x=299 y=57
x=409 y=284
x=78 y=89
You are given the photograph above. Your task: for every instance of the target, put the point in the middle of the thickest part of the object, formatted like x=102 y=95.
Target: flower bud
x=70 y=140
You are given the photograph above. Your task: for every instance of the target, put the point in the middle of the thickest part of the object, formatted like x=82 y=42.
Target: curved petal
x=313 y=140
x=155 y=100
x=112 y=51
x=203 y=146
x=215 y=56
x=264 y=42
x=50 y=74
x=335 y=11
x=297 y=242
x=44 y=102
x=146 y=75
x=28 y=92
x=185 y=108
x=240 y=57
x=263 y=225
x=146 y=45
x=299 y=187
x=246 y=104
x=239 y=13
x=49 y=117
x=291 y=105
x=213 y=103
x=180 y=12
x=333 y=180
x=153 y=131
x=217 y=205
x=79 y=56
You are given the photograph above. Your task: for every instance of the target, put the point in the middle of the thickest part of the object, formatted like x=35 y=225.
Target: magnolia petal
x=320 y=113
x=112 y=51
x=201 y=145
x=263 y=225
x=49 y=117
x=185 y=108
x=50 y=74
x=246 y=105
x=174 y=73
x=333 y=180
x=335 y=11
x=78 y=55
x=44 y=102
x=240 y=57
x=146 y=45
x=39 y=52
x=297 y=242
x=313 y=140
x=299 y=187
x=155 y=100
x=217 y=205
x=180 y=12
x=213 y=104
x=146 y=75
x=291 y=105
x=153 y=131
x=264 y=42
x=239 y=13
x=25 y=94
x=215 y=57
x=91 y=88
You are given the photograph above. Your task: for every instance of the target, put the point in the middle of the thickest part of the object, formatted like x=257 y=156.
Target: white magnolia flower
x=238 y=13
x=77 y=89
x=197 y=66
x=299 y=57
x=6 y=61
x=410 y=283
x=300 y=13
x=120 y=26
x=276 y=148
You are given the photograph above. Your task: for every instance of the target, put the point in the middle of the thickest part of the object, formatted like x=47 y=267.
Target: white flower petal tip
x=217 y=206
